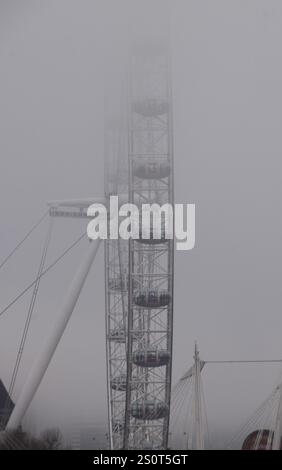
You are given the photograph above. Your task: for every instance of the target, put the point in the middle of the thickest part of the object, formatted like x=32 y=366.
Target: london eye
x=139 y=273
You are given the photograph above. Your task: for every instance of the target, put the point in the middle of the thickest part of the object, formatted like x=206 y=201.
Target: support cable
x=246 y=361
x=45 y=271
x=31 y=308
x=24 y=239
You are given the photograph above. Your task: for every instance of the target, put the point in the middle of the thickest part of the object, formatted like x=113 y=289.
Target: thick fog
x=57 y=59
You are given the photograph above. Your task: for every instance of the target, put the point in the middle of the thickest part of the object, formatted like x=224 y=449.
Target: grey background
x=55 y=58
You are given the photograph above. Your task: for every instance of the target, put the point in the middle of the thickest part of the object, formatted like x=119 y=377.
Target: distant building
x=6 y=405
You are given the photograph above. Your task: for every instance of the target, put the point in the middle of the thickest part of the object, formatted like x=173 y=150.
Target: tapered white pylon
x=41 y=364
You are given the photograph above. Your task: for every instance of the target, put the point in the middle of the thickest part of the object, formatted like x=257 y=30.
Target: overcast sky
x=227 y=73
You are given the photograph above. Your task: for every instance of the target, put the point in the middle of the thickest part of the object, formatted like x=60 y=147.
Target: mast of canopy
x=199 y=438
x=278 y=424
x=40 y=366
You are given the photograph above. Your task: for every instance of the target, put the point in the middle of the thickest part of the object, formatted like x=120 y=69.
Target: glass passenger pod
x=149 y=410
x=150 y=107
x=149 y=239
x=152 y=298
x=151 y=357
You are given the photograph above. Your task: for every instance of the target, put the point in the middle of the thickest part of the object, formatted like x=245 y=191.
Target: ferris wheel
x=139 y=273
